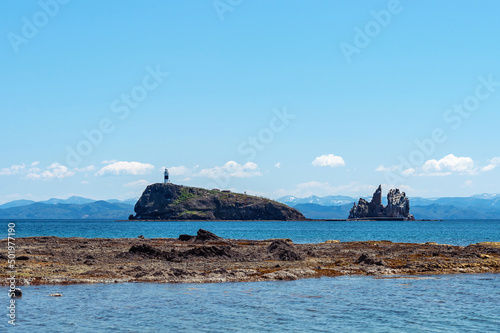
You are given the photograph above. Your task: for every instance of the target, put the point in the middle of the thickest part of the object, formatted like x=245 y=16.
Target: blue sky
x=271 y=98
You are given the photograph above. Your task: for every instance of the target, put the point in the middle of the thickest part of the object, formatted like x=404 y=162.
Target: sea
x=440 y=303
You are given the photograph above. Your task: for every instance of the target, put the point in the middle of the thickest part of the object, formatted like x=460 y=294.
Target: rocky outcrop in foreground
x=175 y=202
x=205 y=257
x=398 y=207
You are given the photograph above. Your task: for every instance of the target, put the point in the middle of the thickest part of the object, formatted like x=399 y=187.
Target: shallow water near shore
x=447 y=303
x=454 y=303
x=454 y=232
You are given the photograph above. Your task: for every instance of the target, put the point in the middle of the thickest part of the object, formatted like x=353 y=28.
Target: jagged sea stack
x=175 y=202
x=398 y=207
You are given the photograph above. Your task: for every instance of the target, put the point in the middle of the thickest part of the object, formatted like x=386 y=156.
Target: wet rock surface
x=370 y=260
x=201 y=236
x=284 y=251
x=207 y=257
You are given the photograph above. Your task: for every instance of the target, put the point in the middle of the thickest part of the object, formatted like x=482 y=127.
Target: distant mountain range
x=337 y=200
x=71 y=208
x=479 y=206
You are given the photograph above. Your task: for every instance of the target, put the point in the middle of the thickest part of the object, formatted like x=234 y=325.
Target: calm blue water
x=456 y=232
x=457 y=303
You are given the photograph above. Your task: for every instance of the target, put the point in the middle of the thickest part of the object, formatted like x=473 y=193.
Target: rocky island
x=171 y=202
x=398 y=207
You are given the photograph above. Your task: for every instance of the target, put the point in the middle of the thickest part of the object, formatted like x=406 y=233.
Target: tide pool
x=454 y=303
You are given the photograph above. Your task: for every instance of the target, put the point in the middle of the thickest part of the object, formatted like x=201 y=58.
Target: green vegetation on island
x=175 y=202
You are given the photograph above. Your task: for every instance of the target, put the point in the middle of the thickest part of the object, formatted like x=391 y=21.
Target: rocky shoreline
x=207 y=258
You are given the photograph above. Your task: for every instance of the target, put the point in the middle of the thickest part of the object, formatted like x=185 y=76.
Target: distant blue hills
x=71 y=200
x=479 y=206
x=71 y=208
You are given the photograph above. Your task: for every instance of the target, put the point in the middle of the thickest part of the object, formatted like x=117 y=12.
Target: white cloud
x=468 y=183
x=448 y=164
x=35 y=163
x=85 y=169
x=12 y=170
x=382 y=168
x=53 y=171
x=494 y=162
x=433 y=174
x=178 y=171
x=34 y=170
x=489 y=167
x=84 y=182
x=328 y=160
x=408 y=172
x=137 y=183
x=181 y=173
x=278 y=165
x=125 y=168
x=233 y=169
x=109 y=161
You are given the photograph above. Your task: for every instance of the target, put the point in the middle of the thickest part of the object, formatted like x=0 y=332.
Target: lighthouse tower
x=165 y=177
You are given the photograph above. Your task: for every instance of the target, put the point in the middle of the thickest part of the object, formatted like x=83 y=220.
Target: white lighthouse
x=165 y=177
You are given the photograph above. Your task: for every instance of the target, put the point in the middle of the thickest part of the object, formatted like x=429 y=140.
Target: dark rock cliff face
x=398 y=206
x=176 y=202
